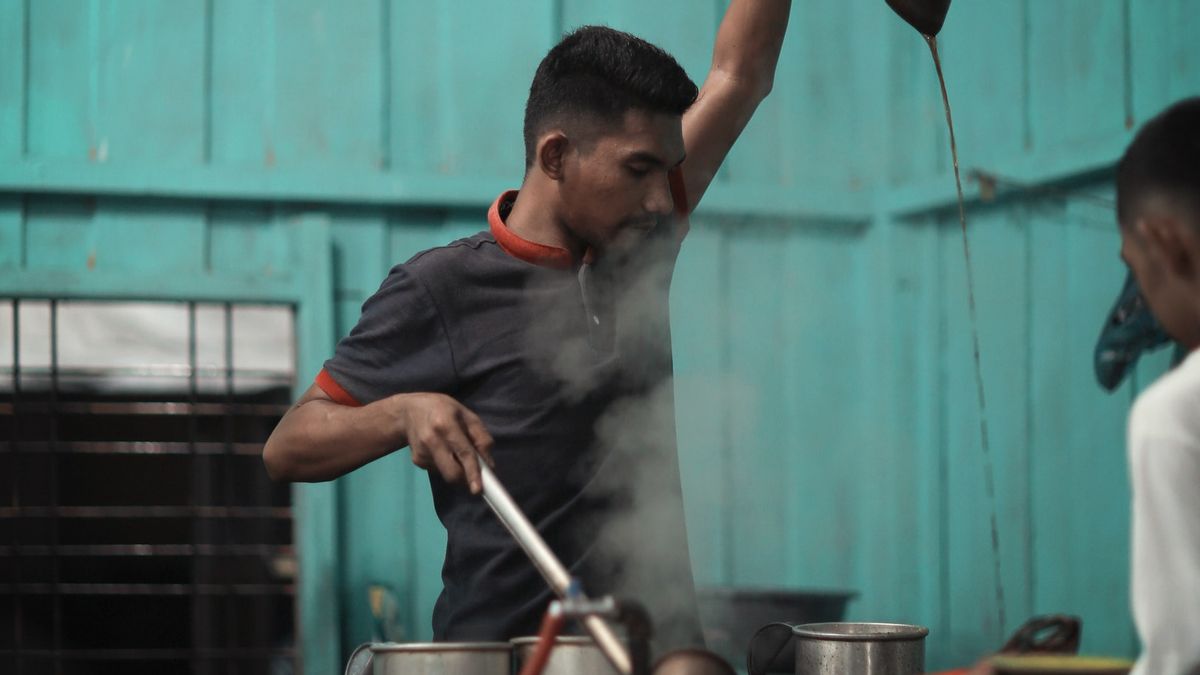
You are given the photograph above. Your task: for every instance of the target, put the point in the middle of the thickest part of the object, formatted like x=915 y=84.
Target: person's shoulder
x=1170 y=406
x=439 y=258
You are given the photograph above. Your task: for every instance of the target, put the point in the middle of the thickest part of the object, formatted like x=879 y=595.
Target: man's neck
x=532 y=220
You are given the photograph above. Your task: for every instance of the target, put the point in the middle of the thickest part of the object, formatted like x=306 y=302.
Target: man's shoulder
x=441 y=258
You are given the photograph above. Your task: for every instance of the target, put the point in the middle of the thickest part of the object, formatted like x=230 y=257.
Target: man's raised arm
x=742 y=73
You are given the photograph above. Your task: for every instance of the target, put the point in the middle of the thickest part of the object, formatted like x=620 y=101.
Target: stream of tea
x=988 y=467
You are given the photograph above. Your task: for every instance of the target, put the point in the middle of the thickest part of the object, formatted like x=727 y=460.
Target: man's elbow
x=765 y=83
x=749 y=85
x=275 y=459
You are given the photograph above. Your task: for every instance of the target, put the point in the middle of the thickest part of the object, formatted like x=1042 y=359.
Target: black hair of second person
x=599 y=71
x=1163 y=160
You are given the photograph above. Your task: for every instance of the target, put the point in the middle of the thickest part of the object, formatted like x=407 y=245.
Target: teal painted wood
x=983 y=48
x=12 y=80
x=319 y=610
x=701 y=393
x=61 y=96
x=142 y=53
x=820 y=377
x=758 y=447
x=824 y=379
x=1089 y=58
x=998 y=249
x=1163 y=63
x=12 y=231
x=899 y=568
x=327 y=84
x=246 y=238
x=687 y=26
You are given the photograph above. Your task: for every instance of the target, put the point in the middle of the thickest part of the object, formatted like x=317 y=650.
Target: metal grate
x=139 y=532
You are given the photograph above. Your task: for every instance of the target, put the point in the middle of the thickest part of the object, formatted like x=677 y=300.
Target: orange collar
x=523 y=249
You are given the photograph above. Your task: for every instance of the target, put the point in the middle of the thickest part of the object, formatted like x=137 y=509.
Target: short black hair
x=602 y=72
x=1163 y=159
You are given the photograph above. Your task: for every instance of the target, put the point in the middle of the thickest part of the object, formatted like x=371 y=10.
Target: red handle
x=548 y=633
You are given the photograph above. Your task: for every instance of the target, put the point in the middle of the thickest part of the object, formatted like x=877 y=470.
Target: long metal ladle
x=547 y=563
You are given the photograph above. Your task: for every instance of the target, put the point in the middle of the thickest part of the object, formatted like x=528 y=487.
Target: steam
x=639 y=549
x=647 y=532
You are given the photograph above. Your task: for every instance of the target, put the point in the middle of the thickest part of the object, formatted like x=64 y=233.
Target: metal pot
x=692 y=662
x=731 y=615
x=441 y=658
x=572 y=655
x=861 y=648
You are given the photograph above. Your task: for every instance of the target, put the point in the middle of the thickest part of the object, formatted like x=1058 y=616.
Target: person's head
x=1158 y=209
x=603 y=128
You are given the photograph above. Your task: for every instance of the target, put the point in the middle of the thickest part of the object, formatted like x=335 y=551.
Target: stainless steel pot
x=571 y=656
x=441 y=658
x=860 y=648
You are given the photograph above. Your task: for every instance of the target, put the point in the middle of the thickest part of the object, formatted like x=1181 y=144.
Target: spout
x=926 y=16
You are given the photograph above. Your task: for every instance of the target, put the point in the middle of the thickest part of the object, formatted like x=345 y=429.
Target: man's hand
x=320 y=439
x=444 y=435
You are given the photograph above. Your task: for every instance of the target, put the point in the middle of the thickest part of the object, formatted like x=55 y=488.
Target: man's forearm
x=743 y=71
x=749 y=41
x=321 y=440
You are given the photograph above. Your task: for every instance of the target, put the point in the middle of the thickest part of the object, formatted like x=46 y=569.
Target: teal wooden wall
x=827 y=417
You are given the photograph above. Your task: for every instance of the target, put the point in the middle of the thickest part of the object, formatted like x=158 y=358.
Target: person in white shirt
x=1158 y=210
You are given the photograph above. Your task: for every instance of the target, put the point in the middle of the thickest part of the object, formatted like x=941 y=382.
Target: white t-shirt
x=1164 y=462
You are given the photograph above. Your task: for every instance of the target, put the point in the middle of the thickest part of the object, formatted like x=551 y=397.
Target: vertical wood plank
x=818 y=366
x=13 y=49
x=1077 y=71
x=898 y=566
x=243 y=95
x=917 y=144
x=998 y=259
x=475 y=130
x=318 y=606
x=981 y=51
x=247 y=238
x=12 y=231
x=684 y=28
x=61 y=233
x=697 y=328
x=758 y=405
x=148 y=236
x=150 y=74
x=61 y=85
x=1165 y=61
x=328 y=84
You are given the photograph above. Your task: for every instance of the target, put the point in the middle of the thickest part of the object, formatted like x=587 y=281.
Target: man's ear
x=551 y=154
x=1170 y=243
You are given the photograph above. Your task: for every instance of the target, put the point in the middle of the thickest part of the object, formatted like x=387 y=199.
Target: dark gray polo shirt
x=568 y=364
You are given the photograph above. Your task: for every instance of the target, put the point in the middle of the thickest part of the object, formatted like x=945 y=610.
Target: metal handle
x=547 y=563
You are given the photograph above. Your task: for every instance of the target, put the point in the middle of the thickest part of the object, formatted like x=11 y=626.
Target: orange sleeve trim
x=330 y=386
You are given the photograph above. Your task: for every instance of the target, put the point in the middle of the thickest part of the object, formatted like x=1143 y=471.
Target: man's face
x=1169 y=291
x=614 y=187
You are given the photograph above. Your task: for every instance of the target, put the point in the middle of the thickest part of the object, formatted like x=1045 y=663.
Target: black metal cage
x=139 y=532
